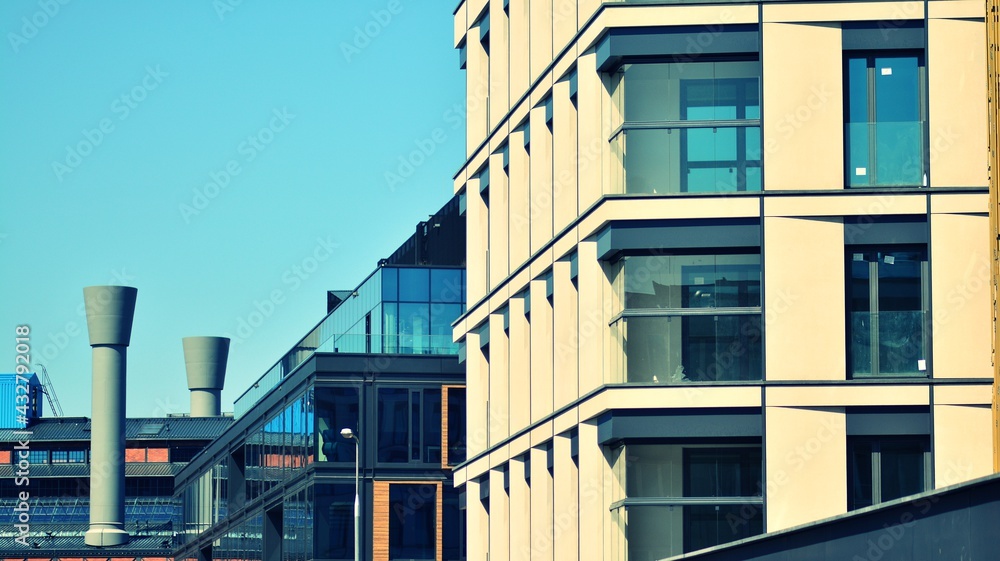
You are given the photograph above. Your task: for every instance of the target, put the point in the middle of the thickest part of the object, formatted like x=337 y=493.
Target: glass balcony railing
x=896 y=349
x=692 y=348
x=342 y=343
x=658 y=532
x=889 y=154
x=689 y=159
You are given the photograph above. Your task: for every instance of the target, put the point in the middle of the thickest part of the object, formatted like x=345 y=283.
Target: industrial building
x=58 y=483
x=725 y=268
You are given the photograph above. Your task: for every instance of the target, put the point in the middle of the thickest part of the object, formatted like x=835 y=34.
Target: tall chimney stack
x=109 y=324
x=205 y=360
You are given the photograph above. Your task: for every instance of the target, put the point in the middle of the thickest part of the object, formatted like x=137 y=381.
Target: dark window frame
x=870 y=56
x=875 y=283
x=876 y=444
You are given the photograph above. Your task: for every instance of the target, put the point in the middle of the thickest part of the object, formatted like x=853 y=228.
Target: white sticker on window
x=699 y=280
x=890 y=260
x=860 y=171
x=887 y=71
x=921 y=365
x=859 y=256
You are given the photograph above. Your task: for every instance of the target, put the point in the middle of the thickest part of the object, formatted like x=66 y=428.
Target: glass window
x=414 y=285
x=442 y=315
x=703 y=496
x=336 y=408
x=446 y=286
x=390 y=282
x=456 y=426
x=887 y=303
x=452 y=525
x=886 y=468
x=692 y=281
x=884 y=108
x=409 y=425
x=77 y=456
x=671 y=140
x=35 y=457
x=414 y=328
x=691 y=318
x=393 y=424
x=412 y=521
x=334 y=524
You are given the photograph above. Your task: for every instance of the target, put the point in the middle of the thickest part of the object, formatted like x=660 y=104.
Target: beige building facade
x=727 y=270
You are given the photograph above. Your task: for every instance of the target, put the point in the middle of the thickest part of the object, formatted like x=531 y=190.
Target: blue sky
x=211 y=154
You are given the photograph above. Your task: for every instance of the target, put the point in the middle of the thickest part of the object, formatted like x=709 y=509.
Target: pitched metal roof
x=161 y=469
x=50 y=541
x=156 y=428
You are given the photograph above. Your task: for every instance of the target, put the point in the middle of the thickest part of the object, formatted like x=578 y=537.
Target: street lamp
x=348 y=433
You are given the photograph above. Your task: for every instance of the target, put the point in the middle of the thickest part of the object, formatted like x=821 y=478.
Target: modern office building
x=725 y=267
x=280 y=483
x=50 y=461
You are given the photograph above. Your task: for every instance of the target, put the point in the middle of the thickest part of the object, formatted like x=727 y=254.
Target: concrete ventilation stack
x=205 y=360
x=109 y=324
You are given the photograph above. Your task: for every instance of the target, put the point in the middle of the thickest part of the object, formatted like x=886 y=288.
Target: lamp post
x=348 y=433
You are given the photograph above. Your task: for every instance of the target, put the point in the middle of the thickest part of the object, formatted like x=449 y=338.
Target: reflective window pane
x=887 y=323
x=883 y=122
x=334 y=524
x=901 y=469
x=456 y=426
x=414 y=285
x=336 y=408
x=431 y=438
x=446 y=285
x=414 y=328
x=678 y=349
x=692 y=281
x=393 y=425
x=412 y=521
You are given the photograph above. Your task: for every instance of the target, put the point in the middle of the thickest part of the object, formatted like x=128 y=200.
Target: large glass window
x=337 y=408
x=690 y=127
x=409 y=425
x=691 y=318
x=684 y=498
x=453 y=534
x=413 y=521
x=334 y=524
x=456 y=426
x=887 y=468
x=887 y=299
x=884 y=107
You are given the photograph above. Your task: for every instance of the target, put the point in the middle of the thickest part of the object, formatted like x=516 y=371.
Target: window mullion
x=872 y=124
x=873 y=313
x=925 y=323
x=876 y=473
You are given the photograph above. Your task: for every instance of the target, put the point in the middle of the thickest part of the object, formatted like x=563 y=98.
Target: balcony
x=695 y=157
x=697 y=347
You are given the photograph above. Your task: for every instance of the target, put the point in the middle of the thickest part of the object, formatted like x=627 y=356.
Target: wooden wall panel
x=380 y=521
x=444 y=426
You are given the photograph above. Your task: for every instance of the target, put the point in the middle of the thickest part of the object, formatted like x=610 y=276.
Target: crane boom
x=49 y=390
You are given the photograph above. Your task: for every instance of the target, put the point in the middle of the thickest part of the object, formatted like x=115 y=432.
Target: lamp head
x=347 y=433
